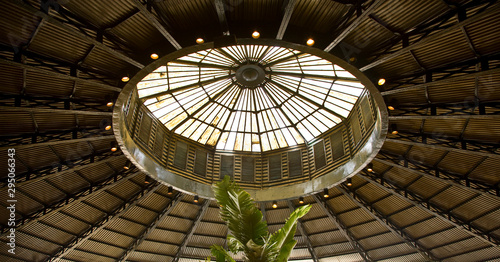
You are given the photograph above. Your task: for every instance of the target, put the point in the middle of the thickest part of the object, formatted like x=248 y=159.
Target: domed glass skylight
x=250 y=97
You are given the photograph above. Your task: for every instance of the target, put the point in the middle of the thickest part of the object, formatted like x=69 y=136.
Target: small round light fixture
x=394 y=129
x=170 y=190
x=349 y=182
x=196 y=199
x=110 y=104
x=200 y=40
x=390 y=108
x=114 y=146
x=275 y=204
x=108 y=127
x=301 y=200
x=125 y=79
x=325 y=193
x=310 y=42
x=127 y=165
x=370 y=168
x=154 y=56
x=381 y=81
x=255 y=34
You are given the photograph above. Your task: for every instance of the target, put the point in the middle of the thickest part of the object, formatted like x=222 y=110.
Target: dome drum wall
x=281 y=173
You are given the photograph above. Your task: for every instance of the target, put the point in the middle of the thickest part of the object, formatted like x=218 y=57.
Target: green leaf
x=286 y=250
x=234 y=244
x=281 y=235
x=238 y=210
x=220 y=254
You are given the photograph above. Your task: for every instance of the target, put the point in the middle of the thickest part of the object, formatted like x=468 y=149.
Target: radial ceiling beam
x=404 y=236
x=433 y=37
x=67 y=28
x=154 y=21
x=443 y=81
x=324 y=77
x=121 y=210
x=152 y=226
x=34 y=176
x=199 y=109
x=445 y=148
x=191 y=231
x=449 y=141
x=77 y=197
x=286 y=18
x=445 y=216
x=342 y=228
x=171 y=91
x=59 y=75
x=306 y=99
x=439 y=177
x=53 y=111
x=221 y=14
x=69 y=141
x=52 y=135
x=353 y=25
x=304 y=234
x=490 y=117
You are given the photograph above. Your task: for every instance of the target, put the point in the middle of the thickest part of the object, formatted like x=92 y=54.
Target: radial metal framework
x=292 y=97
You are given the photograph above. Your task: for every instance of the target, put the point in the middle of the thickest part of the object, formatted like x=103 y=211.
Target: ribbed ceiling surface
x=433 y=193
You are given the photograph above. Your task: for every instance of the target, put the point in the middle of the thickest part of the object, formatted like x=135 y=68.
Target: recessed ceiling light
x=154 y=56
x=275 y=204
x=125 y=79
x=381 y=81
x=114 y=146
x=310 y=42
x=200 y=41
x=110 y=104
x=108 y=127
x=390 y=107
x=255 y=34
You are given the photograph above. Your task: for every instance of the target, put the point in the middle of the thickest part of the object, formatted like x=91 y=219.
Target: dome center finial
x=250 y=75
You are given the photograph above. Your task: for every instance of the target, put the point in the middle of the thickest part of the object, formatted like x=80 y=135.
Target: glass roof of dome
x=250 y=97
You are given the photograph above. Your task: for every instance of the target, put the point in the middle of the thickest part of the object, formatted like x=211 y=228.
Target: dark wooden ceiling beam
x=353 y=25
x=493 y=9
x=152 y=226
x=33 y=11
x=121 y=210
x=444 y=148
x=154 y=21
x=439 y=176
x=192 y=229
x=429 y=208
x=78 y=197
x=404 y=236
x=409 y=117
x=59 y=75
x=59 y=142
x=53 y=111
x=442 y=81
x=221 y=14
x=286 y=18
x=304 y=234
x=343 y=228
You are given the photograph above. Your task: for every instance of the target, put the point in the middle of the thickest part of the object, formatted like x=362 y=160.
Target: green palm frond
x=249 y=231
x=238 y=210
x=220 y=254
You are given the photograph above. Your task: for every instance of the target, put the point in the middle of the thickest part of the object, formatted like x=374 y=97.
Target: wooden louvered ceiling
x=434 y=190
